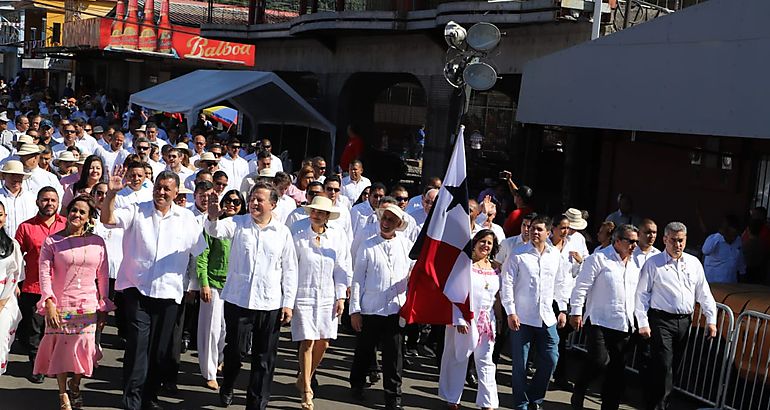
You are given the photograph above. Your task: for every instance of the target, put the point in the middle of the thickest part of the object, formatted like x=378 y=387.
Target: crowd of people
x=137 y=221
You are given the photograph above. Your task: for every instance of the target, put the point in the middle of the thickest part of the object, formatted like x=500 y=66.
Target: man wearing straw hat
x=64 y=164
x=260 y=289
x=29 y=155
x=380 y=274
x=207 y=161
x=19 y=202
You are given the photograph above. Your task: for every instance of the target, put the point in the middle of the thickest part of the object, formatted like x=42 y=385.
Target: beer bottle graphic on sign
x=131 y=27
x=147 y=39
x=116 y=32
x=165 y=35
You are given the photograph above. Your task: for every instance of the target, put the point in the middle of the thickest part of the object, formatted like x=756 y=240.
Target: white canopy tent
x=262 y=97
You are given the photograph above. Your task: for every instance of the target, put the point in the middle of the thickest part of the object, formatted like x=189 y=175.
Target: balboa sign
x=126 y=33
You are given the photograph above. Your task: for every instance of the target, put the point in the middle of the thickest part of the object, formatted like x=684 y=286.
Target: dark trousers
x=386 y=331
x=606 y=356
x=120 y=317
x=263 y=328
x=175 y=346
x=149 y=324
x=32 y=325
x=667 y=344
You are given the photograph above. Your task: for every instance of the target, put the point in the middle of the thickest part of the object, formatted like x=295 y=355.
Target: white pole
x=597 y=19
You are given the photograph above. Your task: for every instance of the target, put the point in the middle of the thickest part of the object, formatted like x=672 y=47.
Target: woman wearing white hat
x=324 y=275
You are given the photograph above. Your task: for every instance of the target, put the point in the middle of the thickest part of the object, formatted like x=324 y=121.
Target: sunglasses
x=209 y=163
x=234 y=201
x=321 y=168
x=142 y=148
x=88 y=129
x=70 y=131
x=332 y=189
x=217 y=154
x=402 y=198
x=267 y=146
x=630 y=241
x=313 y=193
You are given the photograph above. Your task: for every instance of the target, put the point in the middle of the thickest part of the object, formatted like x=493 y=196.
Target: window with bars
x=762 y=187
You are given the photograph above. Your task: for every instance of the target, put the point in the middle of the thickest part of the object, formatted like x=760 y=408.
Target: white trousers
x=211 y=335
x=451 y=380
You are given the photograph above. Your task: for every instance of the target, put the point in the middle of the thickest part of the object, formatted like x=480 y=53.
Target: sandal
x=307 y=400
x=75 y=396
x=64 y=402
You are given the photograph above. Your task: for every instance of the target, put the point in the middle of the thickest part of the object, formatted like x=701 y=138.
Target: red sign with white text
x=168 y=40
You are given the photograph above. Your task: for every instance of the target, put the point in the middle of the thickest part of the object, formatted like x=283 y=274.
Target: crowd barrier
x=746 y=374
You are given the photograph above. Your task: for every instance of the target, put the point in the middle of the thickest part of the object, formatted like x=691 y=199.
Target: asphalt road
x=103 y=390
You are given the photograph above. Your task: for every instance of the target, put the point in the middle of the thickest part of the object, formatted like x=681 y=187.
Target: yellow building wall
x=55 y=13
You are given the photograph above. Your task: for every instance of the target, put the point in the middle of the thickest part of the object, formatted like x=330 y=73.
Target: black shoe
x=577 y=400
x=472 y=380
x=152 y=405
x=411 y=352
x=36 y=378
x=170 y=389
x=374 y=377
x=185 y=344
x=358 y=393
x=428 y=352
x=226 y=397
x=562 y=384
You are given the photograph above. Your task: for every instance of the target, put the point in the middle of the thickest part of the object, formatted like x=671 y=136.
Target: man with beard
x=30 y=235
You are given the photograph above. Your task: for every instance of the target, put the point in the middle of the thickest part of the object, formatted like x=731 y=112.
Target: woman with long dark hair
x=91 y=174
x=212 y=274
x=74 y=287
x=480 y=332
x=10 y=269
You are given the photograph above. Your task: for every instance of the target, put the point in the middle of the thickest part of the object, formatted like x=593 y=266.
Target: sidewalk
x=103 y=391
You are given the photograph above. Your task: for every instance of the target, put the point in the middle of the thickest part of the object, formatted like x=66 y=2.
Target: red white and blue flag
x=440 y=282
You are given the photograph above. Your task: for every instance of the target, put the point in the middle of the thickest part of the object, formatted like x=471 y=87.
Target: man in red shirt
x=522 y=197
x=354 y=149
x=30 y=235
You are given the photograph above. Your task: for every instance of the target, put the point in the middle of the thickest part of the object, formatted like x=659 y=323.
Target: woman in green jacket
x=212 y=273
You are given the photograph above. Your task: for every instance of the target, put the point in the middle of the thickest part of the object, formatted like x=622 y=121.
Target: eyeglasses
x=209 y=163
x=88 y=129
x=217 y=154
x=142 y=148
x=630 y=241
x=402 y=198
x=234 y=201
x=330 y=189
x=313 y=193
x=321 y=168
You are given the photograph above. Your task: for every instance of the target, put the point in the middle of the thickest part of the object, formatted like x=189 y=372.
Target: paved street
x=420 y=384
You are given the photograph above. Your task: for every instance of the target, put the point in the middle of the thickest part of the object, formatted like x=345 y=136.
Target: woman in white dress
x=10 y=269
x=325 y=271
x=478 y=337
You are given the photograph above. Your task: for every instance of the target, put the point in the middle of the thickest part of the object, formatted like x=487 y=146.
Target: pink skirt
x=71 y=348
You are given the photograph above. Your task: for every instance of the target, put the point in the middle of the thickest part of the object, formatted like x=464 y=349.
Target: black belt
x=665 y=315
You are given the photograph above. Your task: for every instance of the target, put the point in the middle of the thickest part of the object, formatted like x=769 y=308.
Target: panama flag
x=441 y=278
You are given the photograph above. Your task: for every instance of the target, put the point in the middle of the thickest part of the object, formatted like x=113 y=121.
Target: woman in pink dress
x=74 y=287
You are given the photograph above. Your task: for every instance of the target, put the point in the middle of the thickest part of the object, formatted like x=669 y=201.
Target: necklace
x=82 y=263
x=479 y=266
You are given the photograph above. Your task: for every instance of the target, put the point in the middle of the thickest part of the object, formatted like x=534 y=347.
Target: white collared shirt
x=18 y=208
x=352 y=189
x=127 y=196
x=41 y=178
x=236 y=169
x=159 y=247
x=325 y=269
x=531 y=283
x=110 y=157
x=87 y=144
x=640 y=257
x=673 y=286
x=380 y=275
x=113 y=240
x=297 y=215
x=723 y=261
x=609 y=285
x=343 y=222
x=506 y=248
x=262 y=270
x=359 y=214
x=283 y=208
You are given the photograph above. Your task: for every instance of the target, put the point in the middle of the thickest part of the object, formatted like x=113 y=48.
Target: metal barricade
x=701 y=374
x=747 y=373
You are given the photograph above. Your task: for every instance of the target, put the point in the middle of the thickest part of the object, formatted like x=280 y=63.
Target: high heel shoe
x=64 y=402
x=307 y=400
x=75 y=396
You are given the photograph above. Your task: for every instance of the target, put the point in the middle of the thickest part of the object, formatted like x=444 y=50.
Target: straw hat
x=395 y=210
x=143 y=128
x=322 y=203
x=184 y=190
x=267 y=173
x=205 y=157
x=183 y=147
x=23 y=139
x=14 y=167
x=28 y=149
x=66 y=156
x=4 y=116
x=575 y=218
